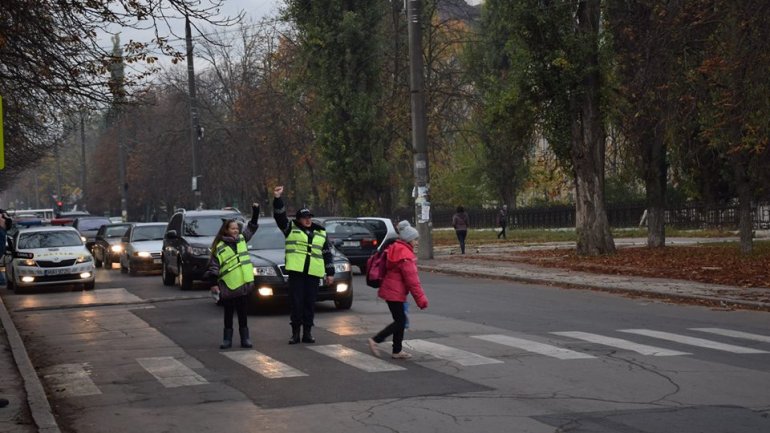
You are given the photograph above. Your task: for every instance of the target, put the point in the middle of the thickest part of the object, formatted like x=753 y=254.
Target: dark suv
x=187 y=244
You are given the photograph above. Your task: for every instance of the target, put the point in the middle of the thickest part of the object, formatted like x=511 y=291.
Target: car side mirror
x=8 y=246
x=171 y=234
x=124 y=239
x=99 y=238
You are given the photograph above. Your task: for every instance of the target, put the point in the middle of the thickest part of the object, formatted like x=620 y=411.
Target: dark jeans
x=396 y=329
x=502 y=232
x=461 y=237
x=303 y=292
x=239 y=305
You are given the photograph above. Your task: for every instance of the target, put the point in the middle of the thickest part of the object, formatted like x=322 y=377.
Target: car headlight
x=28 y=262
x=85 y=259
x=143 y=254
x=116 y=248
x=83 y=238
x=198 y=251
x=264 y=271
x=342 y=267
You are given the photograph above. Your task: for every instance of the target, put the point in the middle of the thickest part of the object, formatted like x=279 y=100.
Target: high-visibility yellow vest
x=298 y=250
x=235 y=268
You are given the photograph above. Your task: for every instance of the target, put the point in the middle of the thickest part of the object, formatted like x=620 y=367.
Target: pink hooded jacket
x=401 y=278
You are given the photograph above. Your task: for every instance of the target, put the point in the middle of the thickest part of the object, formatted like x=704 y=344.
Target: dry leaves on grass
x=716 y=264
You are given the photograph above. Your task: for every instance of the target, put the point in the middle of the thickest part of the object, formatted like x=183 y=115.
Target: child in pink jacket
x=400 y=280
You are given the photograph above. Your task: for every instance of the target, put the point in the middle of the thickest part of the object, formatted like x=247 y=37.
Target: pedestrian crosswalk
x=74 y=379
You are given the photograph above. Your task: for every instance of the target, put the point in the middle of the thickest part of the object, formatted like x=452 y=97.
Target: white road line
x=458 y=356
x=71 y=380
x=534 y=346
x=692 y=341
x=620 y=343
x=263 y=364
x=170 y=372
x=736 y=334
x=356 y=359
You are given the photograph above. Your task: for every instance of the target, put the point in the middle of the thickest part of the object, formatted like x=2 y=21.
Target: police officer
x=308 y=260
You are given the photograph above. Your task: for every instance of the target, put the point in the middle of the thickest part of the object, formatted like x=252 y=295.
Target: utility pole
x=122 y=166
x=195 y=129
x=82 y=158
x=421 y=192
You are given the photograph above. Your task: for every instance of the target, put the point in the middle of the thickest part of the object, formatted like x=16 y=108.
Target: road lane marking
x=692 y=341
x=620 y=343
x=451 y=354
x=362 y=361
x=170 y=372
x=534 y=346
x=736 y=334
x=263 y=364
x=71 y=380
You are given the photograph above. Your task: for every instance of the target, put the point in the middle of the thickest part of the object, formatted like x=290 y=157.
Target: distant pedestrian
x=308 y=260
x=461 y=223
x=400 y=280
x=502 y=221
x=231 y=268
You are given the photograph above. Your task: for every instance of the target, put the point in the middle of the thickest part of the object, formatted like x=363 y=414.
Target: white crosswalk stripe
x=620 y=343
x=170 y=372
x=692 y=341
x=458 y=356
x=534 y=346
x=356 y=359
x=72 y=380
x=736 y=334
x=263 y=364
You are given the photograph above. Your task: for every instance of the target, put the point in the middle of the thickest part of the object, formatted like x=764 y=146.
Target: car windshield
x=148 y=233
x=115 y=232
x=52 y=239
x=92 y=223
x=346 y=228
x=268 y=237
x=203 y=226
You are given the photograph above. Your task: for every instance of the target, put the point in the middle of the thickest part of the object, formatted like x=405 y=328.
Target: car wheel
x=343 y=303
x=89 y=286
x=168 y=277
x=123 y=269
x=185 y=280
x=9 y=283
x=98 y=263
x=131 y=269
x=107 y=262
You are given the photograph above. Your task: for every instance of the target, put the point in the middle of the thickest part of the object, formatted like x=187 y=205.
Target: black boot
x=294 y=334
x=227 y=340
x=307 y=337
x=245 y=341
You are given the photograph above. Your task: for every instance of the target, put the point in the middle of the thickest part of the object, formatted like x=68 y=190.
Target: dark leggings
x=461 y=237
x=396 y=328
x=238 y=305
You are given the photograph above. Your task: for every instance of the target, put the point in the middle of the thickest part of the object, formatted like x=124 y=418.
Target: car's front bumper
x=28 y=276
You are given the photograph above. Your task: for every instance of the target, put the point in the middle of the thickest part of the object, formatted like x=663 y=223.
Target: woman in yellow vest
x=308 y=260
x=231 y=267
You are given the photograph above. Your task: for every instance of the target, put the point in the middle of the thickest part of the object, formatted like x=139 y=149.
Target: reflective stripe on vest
x=298 y=251
x=235 y=268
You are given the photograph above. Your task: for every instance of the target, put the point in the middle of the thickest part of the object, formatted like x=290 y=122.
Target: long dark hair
x=222 y=232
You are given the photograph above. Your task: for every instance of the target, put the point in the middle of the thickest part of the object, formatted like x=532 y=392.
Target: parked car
x=382 y=228
x=352 y=237
x=108 y=246
x=48 y=255
x=88 y=226
x=142 y=245
x=187 y=242
x=268 y=253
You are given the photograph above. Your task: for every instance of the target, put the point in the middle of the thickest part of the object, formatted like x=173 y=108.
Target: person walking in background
x=308 y=260
x=502 y=221
x=231 y=268
x=400 y=280
x=460 y=222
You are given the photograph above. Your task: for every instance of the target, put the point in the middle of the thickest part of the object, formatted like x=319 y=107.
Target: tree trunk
x=745 y=224
x=588 y=144
x=655 y=182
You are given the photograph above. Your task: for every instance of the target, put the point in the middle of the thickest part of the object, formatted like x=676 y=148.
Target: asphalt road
x=490 y=356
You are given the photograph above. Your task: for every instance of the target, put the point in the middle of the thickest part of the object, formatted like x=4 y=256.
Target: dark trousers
x=303 y=292
x=461 y=237
x=239 y=305
x=396 y=329
x=502 y=232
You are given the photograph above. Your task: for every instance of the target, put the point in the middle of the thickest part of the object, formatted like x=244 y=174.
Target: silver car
x=142 y=244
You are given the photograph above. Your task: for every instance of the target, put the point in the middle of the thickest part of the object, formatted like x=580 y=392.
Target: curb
x=37 y=401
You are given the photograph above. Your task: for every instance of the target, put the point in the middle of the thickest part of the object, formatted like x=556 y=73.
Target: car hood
x=201 y=241
x=149 y=246
x=267 y=257
x=60 y=253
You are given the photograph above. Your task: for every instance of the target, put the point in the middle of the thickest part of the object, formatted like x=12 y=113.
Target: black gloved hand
x=254 y=211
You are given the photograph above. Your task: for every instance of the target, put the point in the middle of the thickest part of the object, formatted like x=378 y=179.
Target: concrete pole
x=419 y=131
x=82 y=157
x=194 y=122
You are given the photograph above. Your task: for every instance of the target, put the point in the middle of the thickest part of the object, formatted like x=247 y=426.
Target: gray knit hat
x=406 y=232
x=402 y=224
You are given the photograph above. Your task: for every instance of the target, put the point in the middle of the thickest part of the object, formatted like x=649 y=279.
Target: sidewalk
x=446 y=260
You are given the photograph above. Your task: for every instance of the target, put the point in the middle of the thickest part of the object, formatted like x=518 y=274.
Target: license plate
x=156 y=261
x=350 y=244
x=57 y=271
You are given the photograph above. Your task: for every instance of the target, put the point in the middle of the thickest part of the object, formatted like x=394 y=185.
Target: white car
x=48 y=255
x=382 y=228
x=142 y=244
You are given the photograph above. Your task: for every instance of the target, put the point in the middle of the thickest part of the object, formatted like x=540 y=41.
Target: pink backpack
x=376 y=268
